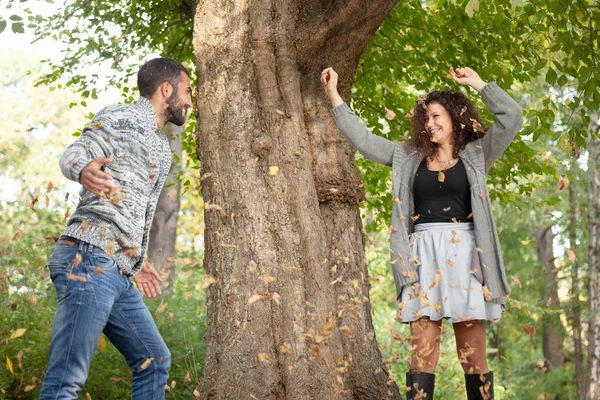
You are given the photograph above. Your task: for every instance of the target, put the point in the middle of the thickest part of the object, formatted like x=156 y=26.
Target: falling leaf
x=84 y=225
x=97 y=125
x=530 y=330
x=571 y=255
x=389 y=114
x=98 y=270
x=77 y=260
x=88 y=396
x=187 y=378
x=273 y=169
x=17 y=334
x=285 y=348
x=448 y=209
x=172 y=194
x=449 y=262
x=345 y=329
x=161 y=308
x=146 y=363
x=255 y=297
x=79 y=278
x=9 y=365
x=563 y=183
x=263 y=357
x=516 y=280
x=32 y=299
x=152 y=176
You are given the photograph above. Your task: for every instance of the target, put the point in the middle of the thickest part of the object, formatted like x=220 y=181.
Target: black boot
x=421 y=385
x=480 y=386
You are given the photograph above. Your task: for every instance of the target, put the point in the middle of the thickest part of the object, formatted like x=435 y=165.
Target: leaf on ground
x=263 y=357
x=9 y=365
x=18 y=333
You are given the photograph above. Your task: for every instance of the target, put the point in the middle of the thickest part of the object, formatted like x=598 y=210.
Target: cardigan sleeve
x=373 y=147
x=508 y=121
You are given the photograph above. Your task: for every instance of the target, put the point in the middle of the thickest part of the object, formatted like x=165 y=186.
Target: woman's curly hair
x=466 y=122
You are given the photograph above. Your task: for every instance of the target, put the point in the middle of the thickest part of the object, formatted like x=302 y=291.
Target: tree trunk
x=593 y=391
x=288 y=310
x=552 y=338
x=575 y=303
x=163 y=233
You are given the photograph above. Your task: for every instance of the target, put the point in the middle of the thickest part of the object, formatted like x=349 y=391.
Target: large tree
x=289 y=315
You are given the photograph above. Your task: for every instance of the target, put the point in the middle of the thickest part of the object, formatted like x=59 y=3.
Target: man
x=122 y=161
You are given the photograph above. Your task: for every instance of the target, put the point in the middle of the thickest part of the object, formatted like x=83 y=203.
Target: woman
x=445 y=252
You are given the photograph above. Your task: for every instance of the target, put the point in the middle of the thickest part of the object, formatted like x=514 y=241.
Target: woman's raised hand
x=329 y=79
x=466 y=76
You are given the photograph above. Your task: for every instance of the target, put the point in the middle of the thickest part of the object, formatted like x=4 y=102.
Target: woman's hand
x=466 y=76
x=329 y=79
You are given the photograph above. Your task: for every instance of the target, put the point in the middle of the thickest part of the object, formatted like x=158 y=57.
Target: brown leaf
x=116 y=379
x=563 y=183
x=77 y=260
x=530 y=330
x=516 y=280
x=79 y=278
x=98 y=270
x=161 y=308
x=572 y=256
x=389 y=114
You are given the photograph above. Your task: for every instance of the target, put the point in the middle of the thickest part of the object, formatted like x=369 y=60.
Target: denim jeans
x=93 y=297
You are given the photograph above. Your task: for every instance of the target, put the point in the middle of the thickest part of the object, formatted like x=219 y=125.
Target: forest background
x=544 y=189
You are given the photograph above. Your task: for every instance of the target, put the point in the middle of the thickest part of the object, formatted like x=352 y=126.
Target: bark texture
x=163 y=233
x=288 y=314
x=552 y=339
x=593 y=391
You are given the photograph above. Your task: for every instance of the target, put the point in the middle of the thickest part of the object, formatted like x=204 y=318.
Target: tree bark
x=163 y=233
x=575 y=282
x=288 y=310
x=552 y=339
x=593 y=390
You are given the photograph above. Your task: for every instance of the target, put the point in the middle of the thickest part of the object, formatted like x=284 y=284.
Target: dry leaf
x=517 y=281
x=102 y=343
x=116 y=379
x=263 y=357
x=571 y=255
x=255 y=297
x=98 y=270
x=161 y=309
x=273 y=169
x=77 y=260
x=530 y=330
x=79 y=278
x=285 y=348
x=17 y=334
x=389 y=114
x=146 y=363
x=563 y=183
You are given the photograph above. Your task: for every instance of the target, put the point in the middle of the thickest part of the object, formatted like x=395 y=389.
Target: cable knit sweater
x=119 y=222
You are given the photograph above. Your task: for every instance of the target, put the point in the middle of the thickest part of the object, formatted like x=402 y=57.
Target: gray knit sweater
x=120 y=222
x=477 y=157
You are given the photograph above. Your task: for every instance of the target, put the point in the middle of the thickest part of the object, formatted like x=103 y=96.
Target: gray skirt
x=450 y=278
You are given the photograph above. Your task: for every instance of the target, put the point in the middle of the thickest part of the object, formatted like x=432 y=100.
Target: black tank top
x=437 y=201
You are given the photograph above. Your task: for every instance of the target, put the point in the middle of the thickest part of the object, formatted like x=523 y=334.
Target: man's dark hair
x=157 y=71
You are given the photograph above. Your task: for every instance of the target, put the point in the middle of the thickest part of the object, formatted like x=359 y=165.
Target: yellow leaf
x=273 y=169
x=88 y=396
x=18 y=333
x=263 y=357
x=102 y=343
x=9 y=365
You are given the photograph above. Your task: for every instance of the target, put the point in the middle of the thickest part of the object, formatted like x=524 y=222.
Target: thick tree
x=289 y=315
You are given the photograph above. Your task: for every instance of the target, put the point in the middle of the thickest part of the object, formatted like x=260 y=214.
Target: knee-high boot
x=480 y=386
x=421 y=385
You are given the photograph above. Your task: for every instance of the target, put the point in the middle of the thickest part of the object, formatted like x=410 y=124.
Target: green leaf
x=18 y=27
x=15 y=18
x=551 y=76
x=2 y=26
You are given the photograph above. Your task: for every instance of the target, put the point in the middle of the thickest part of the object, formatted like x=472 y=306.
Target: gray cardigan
x=477 y=157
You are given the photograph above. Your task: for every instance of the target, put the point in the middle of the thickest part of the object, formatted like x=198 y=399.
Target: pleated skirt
x=450 y=278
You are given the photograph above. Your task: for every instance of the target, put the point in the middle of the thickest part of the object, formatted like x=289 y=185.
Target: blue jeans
x=93 y=297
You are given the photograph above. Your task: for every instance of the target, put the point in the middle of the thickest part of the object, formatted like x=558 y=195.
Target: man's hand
x=147 y=281
x=93 y=179
x=466 y=76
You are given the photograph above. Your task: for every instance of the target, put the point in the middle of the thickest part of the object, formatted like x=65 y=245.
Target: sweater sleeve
x=508 y=121
x=373 y=147
x=96 y=140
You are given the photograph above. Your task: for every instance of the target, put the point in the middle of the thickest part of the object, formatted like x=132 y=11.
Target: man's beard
x=175 y=112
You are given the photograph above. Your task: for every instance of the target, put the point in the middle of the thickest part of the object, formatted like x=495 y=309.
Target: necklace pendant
x=441 y=176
